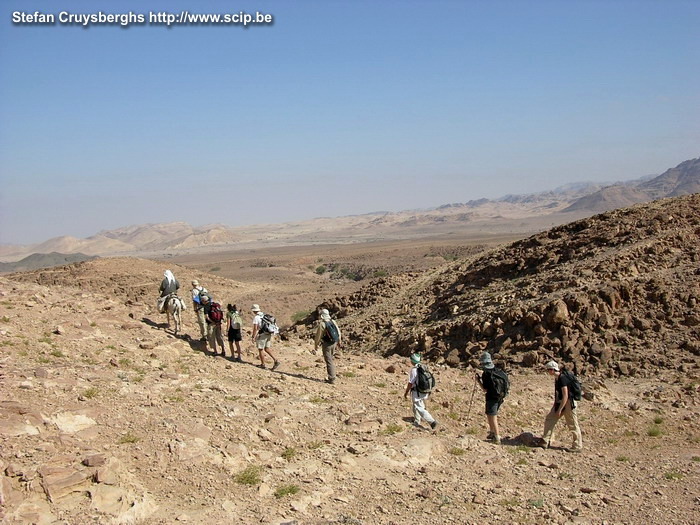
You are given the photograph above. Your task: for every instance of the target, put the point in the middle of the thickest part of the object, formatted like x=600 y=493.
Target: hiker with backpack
x=494 y=383
x=169 y=285
x=214 y=317
x=564 y=405
x=233 y=330
x=264 y=327
x=329 y=337
x=197 y=289
x=420 y=384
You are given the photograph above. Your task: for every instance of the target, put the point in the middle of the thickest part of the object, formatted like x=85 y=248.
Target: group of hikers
x=493 y=381
x=210 y=319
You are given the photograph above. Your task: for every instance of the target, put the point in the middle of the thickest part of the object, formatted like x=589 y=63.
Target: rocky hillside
x=106 y=416
x=614 y=294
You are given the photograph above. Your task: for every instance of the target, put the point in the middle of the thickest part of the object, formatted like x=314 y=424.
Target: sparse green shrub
x=521 y=461
x=57 y=353
x=536 y=503
x=471 y=431
x=284 y=490
x=314 y=445
x=695 y=458
x=658 y=420
x=215 y=269
x=673 y=474
x=91 y=392
x=302 y=314
x=391 y=429
x=509 y=502
x=249 y=476
x=289 y=453
x=124 y=361
x=453 y=415
x=5 y=319
x=317 y=400
x=348 y=374
x=654 y=431
x=622 y=458
x=456 y=451
x=321 y=269
x=380 y=273
x=129 y=438
x=379 y=385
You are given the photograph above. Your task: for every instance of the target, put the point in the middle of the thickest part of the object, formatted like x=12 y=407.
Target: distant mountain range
x=509 y=214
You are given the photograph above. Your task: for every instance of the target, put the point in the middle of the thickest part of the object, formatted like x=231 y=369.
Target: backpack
x=574 y=385
x=425 y=381
x=500 y=382
x=331 y=335
x=268 y=325
x=198 y=298
x=215 y=313
x=236 y=321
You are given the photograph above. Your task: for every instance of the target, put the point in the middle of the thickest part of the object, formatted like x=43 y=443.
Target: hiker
x=233 y=329
x=564 y=405
x=417 y=397
x=329 y=337
x=262 y=337
x=169 y=285
x=493 y=394
x=214 y=317
x=197 y=289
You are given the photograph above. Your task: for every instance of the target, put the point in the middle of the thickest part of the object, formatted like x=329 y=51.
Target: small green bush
x=658 y=420
x=249 y=476
x=321 y=269
x=456 y=451
x=391 y=429
x=654 y=431
x=380 y=273
x=128 y=438
x=289 y=453
x=622 y=458
x=285 y=490
x=302 y=314
x=673 y=475
x=91 y=392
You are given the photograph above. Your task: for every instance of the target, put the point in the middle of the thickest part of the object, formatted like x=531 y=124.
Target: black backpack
x=331 y=334
x=425 y=381
x=500 y=382
x=268 y=325
x=574 y=385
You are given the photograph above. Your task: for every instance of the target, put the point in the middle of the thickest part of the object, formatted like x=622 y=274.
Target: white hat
x=255 y=308
x=552 y=365
x=195 y=283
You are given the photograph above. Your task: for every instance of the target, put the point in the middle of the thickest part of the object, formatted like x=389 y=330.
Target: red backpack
x=215 y=313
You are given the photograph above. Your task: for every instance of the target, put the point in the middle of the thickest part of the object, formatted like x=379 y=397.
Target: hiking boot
x=496 y=440
x=276 y=365
x=330 y=381
x=489 y=436
x=434 y=425
x=574 y=450
x=261 y=366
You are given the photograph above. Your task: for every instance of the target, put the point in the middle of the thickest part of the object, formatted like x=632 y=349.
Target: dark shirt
x=167 y=287
x=488 y=384
x=561 y=382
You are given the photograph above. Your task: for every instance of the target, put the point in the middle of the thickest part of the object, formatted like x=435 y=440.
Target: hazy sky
x=337 y=108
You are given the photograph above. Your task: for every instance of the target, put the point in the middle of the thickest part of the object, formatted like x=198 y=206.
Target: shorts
x=492 y=406
x=263 y=341
x=234 y=334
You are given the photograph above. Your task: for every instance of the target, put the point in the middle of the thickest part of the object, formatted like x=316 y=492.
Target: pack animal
x=174 y=307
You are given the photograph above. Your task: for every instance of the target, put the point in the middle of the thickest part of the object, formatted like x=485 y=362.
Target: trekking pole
x=471 y=400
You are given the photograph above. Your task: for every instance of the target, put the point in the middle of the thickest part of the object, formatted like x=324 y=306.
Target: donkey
x=173 y=307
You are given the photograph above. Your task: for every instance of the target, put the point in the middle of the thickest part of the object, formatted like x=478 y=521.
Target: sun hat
x=255 y=308
x=204 y=297
x=325 y=314
x=486 y=360
x=415 y=358
x=552 y=365
x=195 y=283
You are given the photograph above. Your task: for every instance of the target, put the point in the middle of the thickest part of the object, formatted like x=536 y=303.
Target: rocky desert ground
x=107 y=416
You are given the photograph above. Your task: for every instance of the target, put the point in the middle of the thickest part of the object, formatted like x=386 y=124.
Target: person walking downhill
x=262 y=338
x=329 y=337
x=564 y=405
x=169 y=285
x=199 y=312
x=233 y=330
x=493 y=395
x=214 y=317
x=418 y=398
